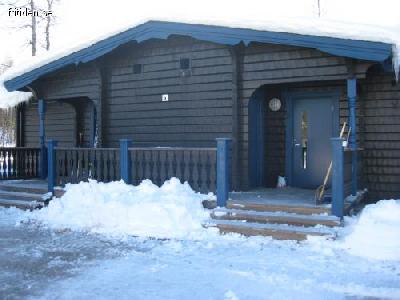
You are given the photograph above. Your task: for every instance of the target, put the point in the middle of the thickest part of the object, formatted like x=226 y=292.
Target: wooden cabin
x=280 y=97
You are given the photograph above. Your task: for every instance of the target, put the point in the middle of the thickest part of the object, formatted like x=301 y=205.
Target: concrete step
x=22 y=204
x=274 y=218
x=279 y=232
x=267 y=207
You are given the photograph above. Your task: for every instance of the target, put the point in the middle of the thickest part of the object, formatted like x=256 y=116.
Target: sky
x=79 y=20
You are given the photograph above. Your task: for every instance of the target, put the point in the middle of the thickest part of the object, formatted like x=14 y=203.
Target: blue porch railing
x=19 y=163
x=205 y=169
x=343 y=173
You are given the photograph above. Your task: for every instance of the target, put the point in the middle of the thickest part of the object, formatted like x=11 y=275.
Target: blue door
x=313 y=124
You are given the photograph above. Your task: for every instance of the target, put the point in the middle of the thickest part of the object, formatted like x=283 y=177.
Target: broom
x=319 y=192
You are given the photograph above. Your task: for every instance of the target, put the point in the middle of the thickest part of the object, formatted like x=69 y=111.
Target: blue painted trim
x=357 y=49
x=42 y=138
x=352 y=103
x=256 y=110
x=94 y=124
x=290 y=97
x=223 y=170
x=337 y=177
x=125 y=162
x=51 y=162
x=289 y=138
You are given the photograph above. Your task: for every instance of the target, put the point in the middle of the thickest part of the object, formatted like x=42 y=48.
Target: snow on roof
x=11 y=99
x=303 y=26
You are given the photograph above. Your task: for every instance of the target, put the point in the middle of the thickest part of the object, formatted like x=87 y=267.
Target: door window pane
x=304 y=138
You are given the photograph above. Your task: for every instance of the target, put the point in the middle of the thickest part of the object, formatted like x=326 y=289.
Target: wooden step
x=22 y=189
x=278 y=232
x=21 y=196
x=297 y=209
x=271 y=218
x=22 y=204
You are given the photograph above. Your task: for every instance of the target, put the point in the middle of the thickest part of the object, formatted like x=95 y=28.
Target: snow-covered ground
x=46 y=255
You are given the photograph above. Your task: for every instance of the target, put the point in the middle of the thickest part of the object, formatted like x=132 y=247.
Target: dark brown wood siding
x=71 y=83
x=59 y=124
x=382 y=137
x=79 y=85
x=286 y=67
x=275 y=123
x=200 y=103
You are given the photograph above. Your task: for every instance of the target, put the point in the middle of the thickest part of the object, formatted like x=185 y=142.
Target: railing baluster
x=195 y=165
x=163 y=175
x=9 y=168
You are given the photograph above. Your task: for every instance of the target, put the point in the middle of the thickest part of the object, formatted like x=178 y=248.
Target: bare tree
x=17 y=5
x=319 y=8
x=41 y=12
x=33 y=26
x=49 y=21
x=7 y=116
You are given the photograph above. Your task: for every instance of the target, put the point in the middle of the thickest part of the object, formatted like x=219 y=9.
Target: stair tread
x=270 y=218
x=23 y=189
x=321 y=230
x=322 y=217
x=279 y=232
x=20 y=203
x=32 y=196
x=295 y=208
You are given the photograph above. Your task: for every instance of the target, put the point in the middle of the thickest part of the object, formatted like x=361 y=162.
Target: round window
x=275 y=104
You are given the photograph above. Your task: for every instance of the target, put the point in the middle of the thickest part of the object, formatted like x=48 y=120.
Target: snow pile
x=173 y=210
x=11 y=99
x=376 y=232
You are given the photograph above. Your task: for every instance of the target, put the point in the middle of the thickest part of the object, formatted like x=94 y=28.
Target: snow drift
x=173 y=210
x=376 y=232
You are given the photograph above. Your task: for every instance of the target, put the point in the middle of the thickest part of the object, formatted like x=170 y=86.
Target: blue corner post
x=42 y=137
x=125 y=160
x=51 y=165
x=337 y=177
x=223 y=171
x=352 y=100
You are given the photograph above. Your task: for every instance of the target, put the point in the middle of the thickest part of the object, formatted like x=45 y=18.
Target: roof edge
x=357 y=49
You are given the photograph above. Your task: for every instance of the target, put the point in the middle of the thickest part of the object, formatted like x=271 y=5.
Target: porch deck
x=277 y=196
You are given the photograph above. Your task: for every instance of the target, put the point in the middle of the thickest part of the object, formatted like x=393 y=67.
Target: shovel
x=320 y=191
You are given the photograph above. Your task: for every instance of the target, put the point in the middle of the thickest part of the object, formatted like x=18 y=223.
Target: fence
x=19 y=163
x=205 y=169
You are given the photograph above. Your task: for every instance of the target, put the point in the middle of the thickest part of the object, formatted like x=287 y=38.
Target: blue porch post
x=352 y=101
x=337 y=177
x=42 y=137
x=125 y=160
x=223 y=171
x=51 y=165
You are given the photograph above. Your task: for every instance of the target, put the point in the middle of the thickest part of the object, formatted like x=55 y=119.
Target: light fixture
x=275 y=104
